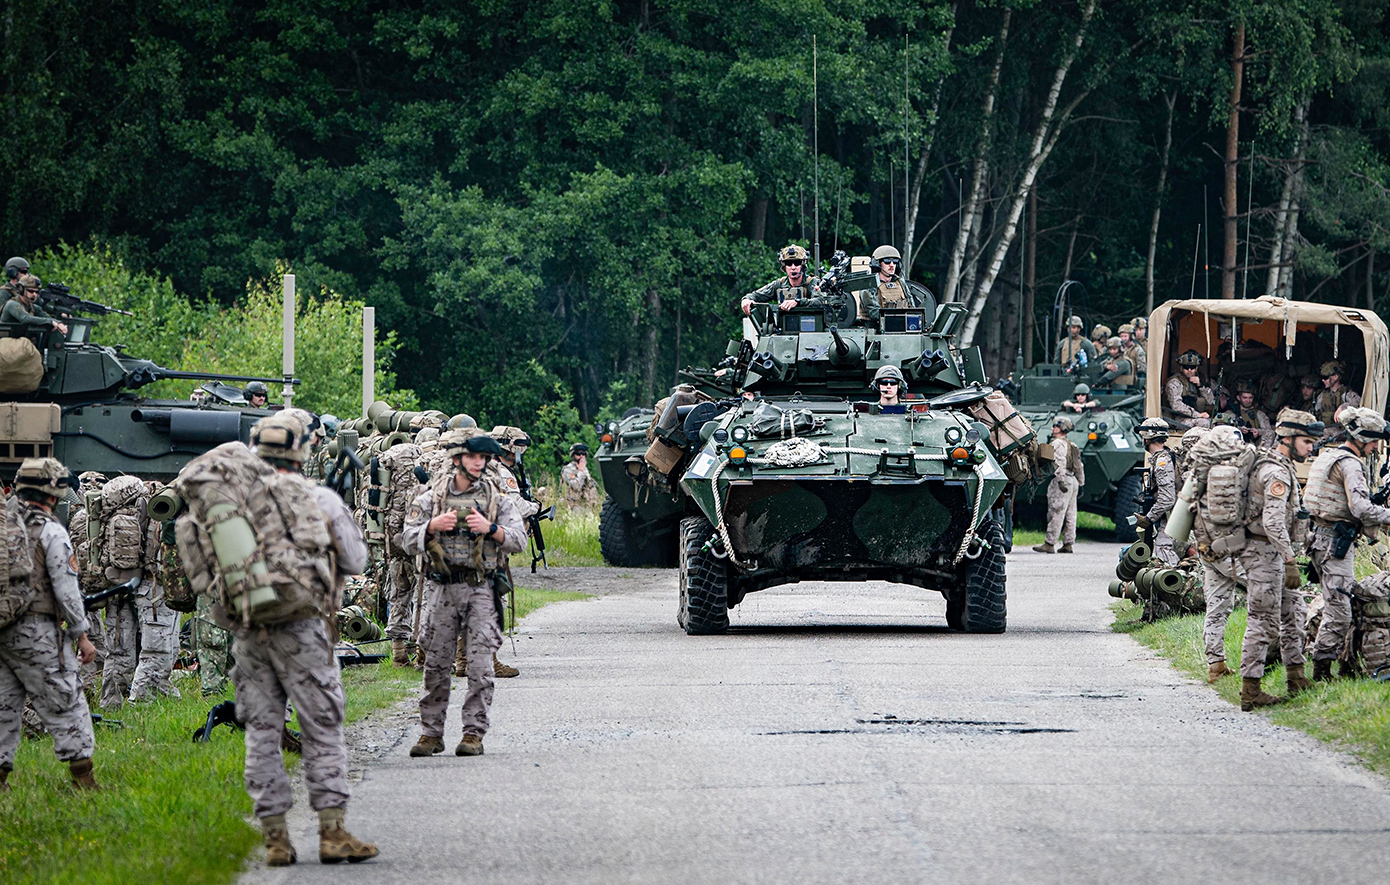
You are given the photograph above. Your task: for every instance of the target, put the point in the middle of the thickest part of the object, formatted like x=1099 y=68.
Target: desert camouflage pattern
x=578 y=485
x=1275 y=613
x=1162 y=483
x=1061 y=495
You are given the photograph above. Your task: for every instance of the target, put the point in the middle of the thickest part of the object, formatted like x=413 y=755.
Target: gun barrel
x=163 y=374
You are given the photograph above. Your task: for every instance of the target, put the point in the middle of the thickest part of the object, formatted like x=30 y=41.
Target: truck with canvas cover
x=64 y=396
x=784 y=467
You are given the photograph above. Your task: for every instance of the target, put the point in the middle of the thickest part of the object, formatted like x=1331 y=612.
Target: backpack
x=123 y=523
x=1221 y=465
x=397 y=465
x=17 y=591
x=253 y=538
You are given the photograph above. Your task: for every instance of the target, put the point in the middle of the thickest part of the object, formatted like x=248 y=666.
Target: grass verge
x=171 y=810
x=571 y=539
x=1351 y=715
x=1089 y=526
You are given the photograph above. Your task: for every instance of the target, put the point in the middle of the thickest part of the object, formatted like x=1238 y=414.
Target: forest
x=557 y=203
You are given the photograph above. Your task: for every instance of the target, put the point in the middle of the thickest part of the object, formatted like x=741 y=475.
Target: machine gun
x=533 y=522
x=59 y=301
x=1078 y=362
x=118 y=593
x=1382 y=495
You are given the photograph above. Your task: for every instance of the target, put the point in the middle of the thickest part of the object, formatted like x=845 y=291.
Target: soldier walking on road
x=1268 y=558
x=36 y=657
x=1340 y=501
x=1160 y=487
x=1068 y=476
x=466 y=527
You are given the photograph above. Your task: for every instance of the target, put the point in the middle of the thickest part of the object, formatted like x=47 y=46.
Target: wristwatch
x=492 y=529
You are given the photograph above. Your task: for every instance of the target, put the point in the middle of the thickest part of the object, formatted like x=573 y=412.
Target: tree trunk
x=649 y=345
x=755 y=223
x=680 y=321
x=970 y=269
x=1044 y=140
x=1288 y=237
x=1371 y=279
x=1171 y=100
x=915 y=199
x=1228 y=199
x=1030 y=279
x=969 y=211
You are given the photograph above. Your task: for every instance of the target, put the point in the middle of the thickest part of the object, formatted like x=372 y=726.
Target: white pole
x=368 y=358
x=287 y=360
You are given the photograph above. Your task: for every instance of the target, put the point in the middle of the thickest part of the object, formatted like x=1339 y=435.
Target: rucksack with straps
x=17 y=590
x=1222 y=464
x=254 y=538
x=123 y=523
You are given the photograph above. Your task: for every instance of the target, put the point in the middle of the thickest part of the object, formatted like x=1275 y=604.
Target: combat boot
x=461 y=660
x=1066 y=548
x=1322 y=670
x=279 y=850
x=502 y=670
x=1217 y=670
x=471 y=745
x=1044 y=548
x=419 y=656
x=1296 y=680
x=1252 y=696
x=81 y=771
x=5 y=778
x=398 y=655
x=336 y=844
x=291 y=741
x=427 y=746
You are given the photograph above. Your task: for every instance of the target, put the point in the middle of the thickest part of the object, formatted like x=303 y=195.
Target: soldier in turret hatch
x=257 y=394
x=890 y=384
x=14 y=269
x=787 y=290
x=23 y=308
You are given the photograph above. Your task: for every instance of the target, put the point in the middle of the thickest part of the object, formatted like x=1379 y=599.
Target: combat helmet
x=1082 y=388
x=1114 y=341
x=280 y=437
x=460 y=421
x=1100 y=331
x=579 y=449
x=1362 y=424
x=1152 y=428
x=256 y=388
x=1125 y=327
x=882 y=253
x=512 y=439
x=39 y=477
x=1294 y=422
x=90 y=481
x=16 y=266
x=457 y=442
x=427 y=439
x=891 y=373
x=1332 y=367
x=330 y=425
x=1190 y=359
x=1063 y=422
x=1075 y=321
x=792 y=253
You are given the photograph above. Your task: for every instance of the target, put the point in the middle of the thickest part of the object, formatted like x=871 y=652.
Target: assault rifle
x=59 y=301
x=118 y=593
x=342 y=476
x=533 y=522
x=1382 y=495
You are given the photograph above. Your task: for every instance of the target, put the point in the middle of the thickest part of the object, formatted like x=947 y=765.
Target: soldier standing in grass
x=578 y=484
x=465 y=527
x=1068 y=476
x=1268 y=558
x=36 y=656
x=1340 y=500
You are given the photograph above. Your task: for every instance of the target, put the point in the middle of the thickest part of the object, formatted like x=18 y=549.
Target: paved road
x=841 y=734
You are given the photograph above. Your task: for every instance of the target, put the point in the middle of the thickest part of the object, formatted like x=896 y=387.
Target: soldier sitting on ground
x=1081 y=400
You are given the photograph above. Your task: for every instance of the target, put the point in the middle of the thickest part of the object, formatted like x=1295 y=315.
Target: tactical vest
x=1326 y=496
x=1137 y=358
x=464 y=551
x=1150 y=482
x=1070 y=349
x=892 y=295
x=1123 y=380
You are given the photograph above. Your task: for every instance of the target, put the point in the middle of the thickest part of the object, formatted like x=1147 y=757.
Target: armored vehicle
x=782 y=467
x=1111 y=452
x=73 y=399
x=642 y=509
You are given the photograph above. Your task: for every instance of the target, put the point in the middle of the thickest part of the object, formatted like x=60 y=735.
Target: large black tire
x=704 y=581
x=613 y=540
x=1128 y=495
x=979 y=605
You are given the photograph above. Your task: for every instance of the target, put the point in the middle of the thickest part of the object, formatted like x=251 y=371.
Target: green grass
x=571 y=539
x=1352 y=715
x=171 y=810
x=1089 y=526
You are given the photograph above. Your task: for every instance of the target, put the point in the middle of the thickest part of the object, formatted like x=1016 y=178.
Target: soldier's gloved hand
x=1293 y=578
x=1142 y=521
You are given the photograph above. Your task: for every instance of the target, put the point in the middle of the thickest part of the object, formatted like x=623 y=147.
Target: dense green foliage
x=575 y=192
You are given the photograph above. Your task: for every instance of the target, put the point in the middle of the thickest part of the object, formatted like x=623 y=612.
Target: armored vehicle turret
x=782 y=466
x=64 y=395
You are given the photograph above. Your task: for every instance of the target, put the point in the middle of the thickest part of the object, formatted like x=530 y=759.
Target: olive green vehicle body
x=1111 y=452
x=85 y=413
x=873 y=496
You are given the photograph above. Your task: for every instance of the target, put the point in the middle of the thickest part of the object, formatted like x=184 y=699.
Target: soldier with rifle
x=23 y=308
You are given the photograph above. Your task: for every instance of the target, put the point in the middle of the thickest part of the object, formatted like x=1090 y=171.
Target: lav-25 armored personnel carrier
x=70 y=398
x=809 y=479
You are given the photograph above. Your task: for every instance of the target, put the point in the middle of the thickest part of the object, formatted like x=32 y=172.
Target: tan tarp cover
x=21 y=366
x=1375 y=339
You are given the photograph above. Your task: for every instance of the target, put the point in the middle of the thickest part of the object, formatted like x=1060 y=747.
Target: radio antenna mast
x=815 y=148
x=904 y=265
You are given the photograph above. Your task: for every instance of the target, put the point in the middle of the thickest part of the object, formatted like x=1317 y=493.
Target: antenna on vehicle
x=907 y=176
x=1196 y=244
x=815 y=149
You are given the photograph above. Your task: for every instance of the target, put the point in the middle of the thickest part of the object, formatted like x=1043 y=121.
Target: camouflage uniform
x=579 y=485
x=213 y=646
x=400 y=565
x=1337 y=492
x=1069 y=347
x=294 y=662
x=463 y=602
x=1330 y=400
x=37 y=661
x=1179 y=412
x=1161 y=483
x=1273 y=609
x=159 y=628
x=1061 y=495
